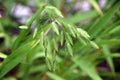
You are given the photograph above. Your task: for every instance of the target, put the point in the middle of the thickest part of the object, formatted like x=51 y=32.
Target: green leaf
x=96 y=6
x=97 y=27
x=109 y=28
x=16 y=56
x=112 y=55
x=78 y=17
x=54 y=76
x=109 y=42
x=109 y=59
x=114 y=30
x=86 y=67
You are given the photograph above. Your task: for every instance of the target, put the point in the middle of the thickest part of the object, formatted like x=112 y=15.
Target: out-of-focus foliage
x=59 y=40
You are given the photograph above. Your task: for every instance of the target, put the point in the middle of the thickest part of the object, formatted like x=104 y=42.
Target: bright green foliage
x=17 y=55
x=61 y=49
x=88 y=68
x=102 y=22
x=54 y=15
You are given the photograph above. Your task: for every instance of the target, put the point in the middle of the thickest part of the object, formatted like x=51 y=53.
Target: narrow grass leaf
x=109 y=42
x=78 y=17
x=15 y=57
x=109 y=59
x=115 y=30
x=109 y=28
x=103 y=21
x=96 y=6
x=86 y=67
x=112 y=55
x=54 y=76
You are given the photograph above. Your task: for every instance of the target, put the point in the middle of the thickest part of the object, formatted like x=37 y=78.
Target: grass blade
x=78 y=17
x=109 y=59
x=86 y=67
x=103 y=21
x=17 y=55
x=96 y=6
x=54 y=76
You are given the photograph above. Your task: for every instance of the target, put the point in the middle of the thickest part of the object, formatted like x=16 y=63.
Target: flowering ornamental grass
x=49 y=45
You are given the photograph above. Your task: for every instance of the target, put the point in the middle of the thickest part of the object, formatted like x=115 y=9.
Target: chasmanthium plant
x=51 y=29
